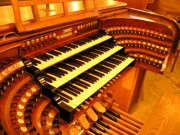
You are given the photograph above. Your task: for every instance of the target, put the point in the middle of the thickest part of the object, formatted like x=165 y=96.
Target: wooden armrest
x=175 y=59
x=165 y=119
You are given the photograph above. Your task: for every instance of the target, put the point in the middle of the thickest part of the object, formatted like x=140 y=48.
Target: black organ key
x=63 y=49
x=92 y=37
x=99 y=51
x=77 y=61
x=88 y=77
x=71 y=85
x=65 y=66
x=47 y=79
x=86 y=80
x=80 y=83
x=101 y=48
x=72 y=62
x=94 y=51
x=47 y=56
x=82 y=58
x=97 y=69
x=35 y=62
x=69 y=91
x=70 y=88
x=63 y=98
x=115 y=60
x=82 y=41
x=91 y=76
x=79 y=43
x=113 y=113
x=63 y=70
x=48 y=76
x=57 y=98
x=89 y=55
x=95 y=131
x=118 y=57
x=110 y=116
x=102 y=68
x=55 y=53
x=86 y=40
x=95 y=36
x=42 y=57
x=62 y=94
x=72 y=46
x=94 y=72
x=99 y=127
x=92 y=54
x=103 y=123
x=106 y=63
x=108 y=44
x=55 y=71
x=112 y=62
x=121 y=55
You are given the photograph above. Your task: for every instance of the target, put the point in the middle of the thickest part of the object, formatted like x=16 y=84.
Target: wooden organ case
x=79 y=73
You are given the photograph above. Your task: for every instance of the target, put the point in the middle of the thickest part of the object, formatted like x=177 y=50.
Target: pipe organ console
x=81 y=77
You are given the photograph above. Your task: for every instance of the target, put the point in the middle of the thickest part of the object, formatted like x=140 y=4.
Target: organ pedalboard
x=68 y=80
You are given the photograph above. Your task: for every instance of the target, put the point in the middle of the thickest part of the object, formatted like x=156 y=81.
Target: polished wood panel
x=138 y=4
x=126 y=89
x=167 y=5
x=169 y=8
x=4 y=2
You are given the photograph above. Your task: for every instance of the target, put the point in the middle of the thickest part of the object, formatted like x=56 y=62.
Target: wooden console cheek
x=126 y=89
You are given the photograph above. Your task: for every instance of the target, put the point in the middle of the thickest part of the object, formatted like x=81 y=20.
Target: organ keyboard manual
x=76 y=67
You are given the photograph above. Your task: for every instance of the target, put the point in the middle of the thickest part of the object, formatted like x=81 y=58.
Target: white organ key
x=120 y=67
x=76 y=100
x=56 y=83
x=68 y=103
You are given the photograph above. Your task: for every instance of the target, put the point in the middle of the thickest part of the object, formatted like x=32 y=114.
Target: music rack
x=50 y=19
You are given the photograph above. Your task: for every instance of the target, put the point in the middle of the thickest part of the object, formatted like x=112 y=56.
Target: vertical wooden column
x=35 y=13
x=17 y=17
x=86 y=5
x=65 y=9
